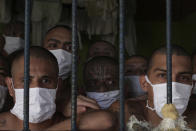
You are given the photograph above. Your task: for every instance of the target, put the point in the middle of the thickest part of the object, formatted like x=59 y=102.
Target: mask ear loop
x=147 y=106
x=147 y=80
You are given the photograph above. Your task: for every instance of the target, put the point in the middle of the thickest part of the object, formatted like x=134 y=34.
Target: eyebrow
x=54 y=40
x=67 y=42
x=159 y=69
x=186 y=73
x=163 y=70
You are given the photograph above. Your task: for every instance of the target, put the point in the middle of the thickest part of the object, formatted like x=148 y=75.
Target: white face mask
x=133 y=84
x=3 y=95
x=64 y=61
x=13 y=43
x=104 y=99
x=194 y=79
x=180 y=96
x=41 y=104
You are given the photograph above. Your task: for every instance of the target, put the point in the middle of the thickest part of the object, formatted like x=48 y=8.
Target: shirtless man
x=101 y=80
x=102 y=48
x=134 y=67
x=43 y=86
x=44 y=83
x=154 y=83
x=58 y=41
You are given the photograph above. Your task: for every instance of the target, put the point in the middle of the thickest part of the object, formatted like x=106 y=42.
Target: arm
x=64 y=125
x=99 y=120
x=82 y=104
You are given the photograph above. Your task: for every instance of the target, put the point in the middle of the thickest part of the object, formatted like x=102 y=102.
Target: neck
x=37 y=126
x=151 y=115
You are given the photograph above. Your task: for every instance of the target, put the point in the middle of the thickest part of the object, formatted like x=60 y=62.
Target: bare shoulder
x=136 y=107
x=5 y=120
x=132 y=107
x=191 y=119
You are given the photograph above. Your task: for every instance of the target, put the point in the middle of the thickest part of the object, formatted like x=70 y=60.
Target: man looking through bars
x=101 y=80
x=134 y=67
x=154 y=83
x=58 y=41
x=44 y=83
x=102 y=48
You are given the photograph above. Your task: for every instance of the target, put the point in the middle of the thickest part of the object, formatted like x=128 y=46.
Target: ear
x=143 y=83
x=8 y=82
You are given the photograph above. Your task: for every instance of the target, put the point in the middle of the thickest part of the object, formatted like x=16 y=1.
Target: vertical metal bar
x=26 y=65
x=169 y=53
x=121 y=61
x=74 y=66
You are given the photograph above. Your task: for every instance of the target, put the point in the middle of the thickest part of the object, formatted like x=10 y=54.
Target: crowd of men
x=98 y=101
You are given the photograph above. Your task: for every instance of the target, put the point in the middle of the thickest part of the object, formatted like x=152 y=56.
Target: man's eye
x=45 y=81
x=52 y=45
x=185 y=78
x=162 y=75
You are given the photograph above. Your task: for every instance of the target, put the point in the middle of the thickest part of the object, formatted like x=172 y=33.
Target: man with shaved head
x=44 y=83
x=102 y=48
x=101 y=80
x=58 y=41
x=135 y=66
x=155 y=84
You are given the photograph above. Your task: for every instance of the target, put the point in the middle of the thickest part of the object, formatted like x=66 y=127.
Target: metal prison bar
x=74 y=61
x=74 y=66
x=121 y=62
x=169 y=49
x=26 y=64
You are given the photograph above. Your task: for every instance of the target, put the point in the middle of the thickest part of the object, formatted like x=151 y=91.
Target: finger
x=87 y=104
x=81 y=109
x=87 y=99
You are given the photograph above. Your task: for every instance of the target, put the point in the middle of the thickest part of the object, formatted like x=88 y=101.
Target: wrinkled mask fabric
x=3 y=95
x=64 y=62
x=180 y=96
x=104 y=99
x=41 y=104
x=13 y=43
x=133 y=84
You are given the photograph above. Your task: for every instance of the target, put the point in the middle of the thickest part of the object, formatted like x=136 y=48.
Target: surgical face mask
x=133 y=84
x=194 y=79
x=41 y=104
x=13 y=43
x=64 y=61
x=3 y=95
x=180 y=96
x=104 y=99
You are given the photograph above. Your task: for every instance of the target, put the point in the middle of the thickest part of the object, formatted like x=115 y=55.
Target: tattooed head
x=101 y=74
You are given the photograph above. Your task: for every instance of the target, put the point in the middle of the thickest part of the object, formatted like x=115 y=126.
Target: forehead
x=59 y=33
x=102 y=45
x=135 y=60
x=38 y=66
x=102 y=69
x=179 y=63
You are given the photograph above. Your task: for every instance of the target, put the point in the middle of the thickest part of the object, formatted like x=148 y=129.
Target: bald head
x=37 y=53
x=102 y=48
x=101 y=74
x=176 y=50
x=135 y=65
